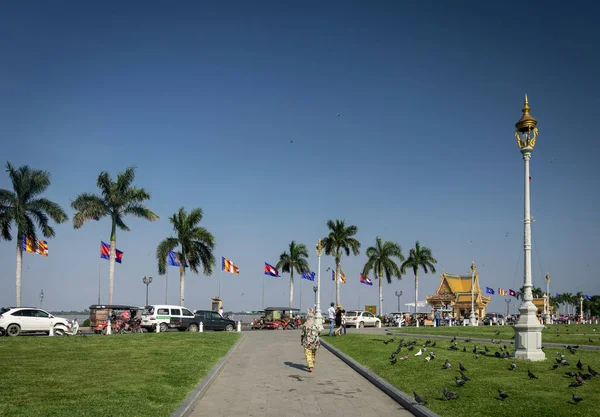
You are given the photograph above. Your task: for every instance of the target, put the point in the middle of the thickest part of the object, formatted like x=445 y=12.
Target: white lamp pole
x=318 y=315
x=528 y=330
x=548 y=315
x=472 y=319
x=581 y=309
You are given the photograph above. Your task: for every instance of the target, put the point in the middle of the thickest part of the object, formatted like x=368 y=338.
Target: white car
x=17 y=320
x=363 y=318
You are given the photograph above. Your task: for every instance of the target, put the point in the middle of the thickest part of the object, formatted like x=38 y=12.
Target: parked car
x=17 y=320
x=494 y=319
x=364 y=318
x=162 y=315
x=211 y=320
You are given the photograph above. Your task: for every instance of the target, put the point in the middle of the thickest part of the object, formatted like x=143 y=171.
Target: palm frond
x=162 y=253
x=140 y=210
x=125 y=179
x=7 y=199
x=118 y=219
x=88 y=207
x=105 y=184
x=50 y=208
x=6 y=218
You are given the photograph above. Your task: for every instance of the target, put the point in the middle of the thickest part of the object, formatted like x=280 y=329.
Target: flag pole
x=167 y=286
x=98 y=283
x=300 y=296
x=263 y=292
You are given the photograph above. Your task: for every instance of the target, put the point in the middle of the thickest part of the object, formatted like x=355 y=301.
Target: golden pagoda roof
x=455 y=284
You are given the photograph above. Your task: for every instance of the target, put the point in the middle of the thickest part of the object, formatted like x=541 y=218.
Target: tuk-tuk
x=119 y=315
x=277 y=318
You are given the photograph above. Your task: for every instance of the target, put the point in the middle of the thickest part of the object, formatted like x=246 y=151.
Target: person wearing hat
x=338 y=320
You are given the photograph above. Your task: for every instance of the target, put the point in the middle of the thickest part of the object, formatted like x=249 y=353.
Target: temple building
x=453 y=295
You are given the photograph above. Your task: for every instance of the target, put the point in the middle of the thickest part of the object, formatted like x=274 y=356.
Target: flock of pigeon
x=427 y=353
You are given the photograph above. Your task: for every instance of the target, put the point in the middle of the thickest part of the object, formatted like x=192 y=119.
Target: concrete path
x=266 y=376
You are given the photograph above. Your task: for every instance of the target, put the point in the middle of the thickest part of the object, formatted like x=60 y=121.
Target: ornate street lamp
x=318 y=316
x=581 y=309
x=399 y=294
x=147 y=281
x=315 y=289
x=548 y=315
x=528 y=330
x=472 y=319
x=41 y=297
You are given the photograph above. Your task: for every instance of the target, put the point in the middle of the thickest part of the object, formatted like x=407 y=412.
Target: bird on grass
x=393 y=361
x=450 y=395
x=579 y=365
x=464 y=377
x=503 y=395
x=459 y=382
x=418 y=399
x=571 y=374
x=531 y=375
x=592 y=372
x=513 y=366
x=419 y=353
x=574 y=385
x=405 y=357
x=579 y=379
x=555 y=366
x=576 y=398
x=461 y=367
x=447 y=364
x=434 y=344
x=476 y=356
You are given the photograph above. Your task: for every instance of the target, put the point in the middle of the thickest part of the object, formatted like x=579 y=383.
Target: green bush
x=86 y=323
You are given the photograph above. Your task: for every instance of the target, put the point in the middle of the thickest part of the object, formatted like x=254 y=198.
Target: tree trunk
x=291 y=291
x=111 y=262
x=416 y=291
x=181 y=283
x=380 y=294
x=19 y=270
x=337 y=283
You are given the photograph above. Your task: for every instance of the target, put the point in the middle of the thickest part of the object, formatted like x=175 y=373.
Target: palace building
x=453 y=295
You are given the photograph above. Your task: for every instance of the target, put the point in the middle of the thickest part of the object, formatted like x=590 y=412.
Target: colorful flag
x=502 y=292
x=488 y=290
x=229 y=266
x=333 y=274
x=587 y=297
x=342 y=277
x=173 y=259
x=512 y=293
x=365 y=280
x=28 y=245
x=105 y=252
x=269 y=270
x=308 y=275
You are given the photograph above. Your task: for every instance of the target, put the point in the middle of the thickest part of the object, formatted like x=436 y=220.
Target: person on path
x=331 y=314
x=344 y=321
x=338 y=320
x=310 y=339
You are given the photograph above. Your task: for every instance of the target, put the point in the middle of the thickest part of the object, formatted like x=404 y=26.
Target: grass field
x=576 y=334
x=547 y=396
x=120 y=375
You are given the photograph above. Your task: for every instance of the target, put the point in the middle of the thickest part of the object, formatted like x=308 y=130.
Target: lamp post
x=507 y=301
x=472 y=319
x=147 y=281
x=318 y=316
x=315 y=289
x=548 y=315
x=398 y=294
x=41 y=297
x=581 y=309
x=528 y=330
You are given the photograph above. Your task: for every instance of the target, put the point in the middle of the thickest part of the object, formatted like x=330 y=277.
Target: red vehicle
x=123 y=318
x=276 y=318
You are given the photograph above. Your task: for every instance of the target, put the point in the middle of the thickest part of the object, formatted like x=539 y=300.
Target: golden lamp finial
x=526 y=132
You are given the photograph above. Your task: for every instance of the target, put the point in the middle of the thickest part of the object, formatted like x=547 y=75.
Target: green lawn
x=120 y=375
x=547 y=396
x=576 y=334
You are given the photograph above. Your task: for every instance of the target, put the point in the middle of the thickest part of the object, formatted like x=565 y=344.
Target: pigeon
x=486 y=349
x=393 y=355
x=590 y=339
x=555 y=366
x=464 y=348
x=405 y=357
x=459 y=382
x=476 y=356
x=574 y=385
x=464 y=377
x=497 y=354
x=592 y=372
x=393 y=362
x=447 y=364
x=503 y=395
x=434 y=344
x=531 y=375
x=513 y=366
x=571 y=374
x=576 y=398
x=428 y=358
x=585 y=376
x=475 y=349
x=579 y=365
x=450 y=395
x=418 y=399
x=419 y=353
x=461 y=367
x=579 y=379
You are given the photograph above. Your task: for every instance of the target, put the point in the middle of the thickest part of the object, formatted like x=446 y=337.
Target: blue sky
x=233 y=108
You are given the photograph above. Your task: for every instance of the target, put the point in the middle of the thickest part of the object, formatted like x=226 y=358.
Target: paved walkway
x=266 y=376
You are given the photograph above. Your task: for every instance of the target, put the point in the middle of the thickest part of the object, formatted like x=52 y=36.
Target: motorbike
x=134 y=325
x=72 y=329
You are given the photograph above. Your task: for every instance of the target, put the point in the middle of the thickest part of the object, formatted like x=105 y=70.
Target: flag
x=512 y=293
x=342 y=278
x=173 y=260
x=502 y=292
x=229 y=266
x=365 y=280
x=105 y=252
x=488 y=290
x=333 y=275
x=269 y=270
x=308 y=275
x=587 y=297
x=557 y=295
x=28 y=245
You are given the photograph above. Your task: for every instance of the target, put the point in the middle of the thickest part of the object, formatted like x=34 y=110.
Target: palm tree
x=419 y=256
x=294 y=260
x=118 y=199
x=196 y=247
x=27 y=209
x=339 y=241
x=536 y=292
x=380 y=261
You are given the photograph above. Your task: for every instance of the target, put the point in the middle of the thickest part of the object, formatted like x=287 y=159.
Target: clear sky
x=232 y=107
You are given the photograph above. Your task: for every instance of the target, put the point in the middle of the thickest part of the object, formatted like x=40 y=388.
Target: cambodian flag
x=105 y=252
x=365 y=280
x=269 y=270
x=512 y=293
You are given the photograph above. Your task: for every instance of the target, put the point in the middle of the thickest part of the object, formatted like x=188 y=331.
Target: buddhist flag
x=502 y=292
x=105 y=252
x=29 y=245
x=365 y=280
x=228 y=266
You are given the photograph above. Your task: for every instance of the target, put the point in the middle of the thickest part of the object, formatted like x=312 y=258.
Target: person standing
x=310 y=339
x=331 y=314
x=344 y=321
x=338 y=320
x=436 y=316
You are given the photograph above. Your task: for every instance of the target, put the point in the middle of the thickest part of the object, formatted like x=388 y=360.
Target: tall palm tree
x=536 y=292
x=380 y=261
x=294 y=260
x=419 y=257
x=196 y=245
x=27 y=209
x=117 y=199
x=340 y=240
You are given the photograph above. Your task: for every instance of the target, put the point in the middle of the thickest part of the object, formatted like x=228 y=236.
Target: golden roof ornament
x=526 y=132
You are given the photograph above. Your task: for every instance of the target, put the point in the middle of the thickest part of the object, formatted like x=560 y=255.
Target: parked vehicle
x=71 y=330
x=99 y=315
x=494 y=319
x=17 y=320
x=162 y=315
x=275 y=318
x=363 y=318
x=211 y=320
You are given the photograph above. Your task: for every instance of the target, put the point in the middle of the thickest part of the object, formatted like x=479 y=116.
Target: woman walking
x=310 y=339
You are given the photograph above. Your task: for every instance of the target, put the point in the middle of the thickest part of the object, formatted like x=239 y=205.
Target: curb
x=188 y=405
x=394 y=393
